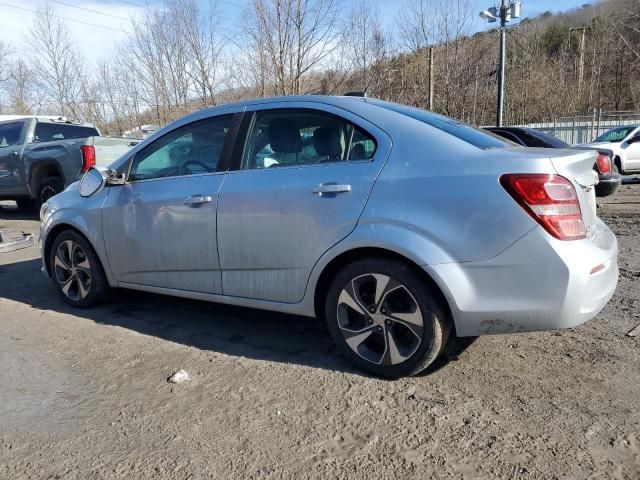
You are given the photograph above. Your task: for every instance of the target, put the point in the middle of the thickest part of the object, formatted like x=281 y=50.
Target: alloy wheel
x=380 y=319
x=72 y=270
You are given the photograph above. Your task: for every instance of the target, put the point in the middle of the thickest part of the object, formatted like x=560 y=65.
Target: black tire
x=49 y=187
x=26 y=204
x=374 y=352
x=75 y=251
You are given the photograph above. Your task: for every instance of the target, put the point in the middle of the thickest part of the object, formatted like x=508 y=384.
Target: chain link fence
x=585 y=127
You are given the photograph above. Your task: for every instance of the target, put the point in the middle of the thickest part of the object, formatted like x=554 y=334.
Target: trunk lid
x=577 y=167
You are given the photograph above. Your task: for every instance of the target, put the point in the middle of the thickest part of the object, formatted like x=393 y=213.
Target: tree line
x=181 y=58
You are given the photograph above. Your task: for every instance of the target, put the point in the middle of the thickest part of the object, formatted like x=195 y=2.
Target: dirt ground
x=84 y=394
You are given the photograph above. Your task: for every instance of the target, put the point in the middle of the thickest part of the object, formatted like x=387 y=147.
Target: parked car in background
x=393 y=224
x=609 y=178
x=625 y=144
x=41 y=155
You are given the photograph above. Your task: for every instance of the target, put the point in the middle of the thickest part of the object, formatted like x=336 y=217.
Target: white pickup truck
x=625 y=144
x=41 y=155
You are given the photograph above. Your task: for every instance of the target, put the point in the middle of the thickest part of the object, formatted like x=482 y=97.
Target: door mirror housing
x=93 y=181
x=634 y=139
x=96 y=178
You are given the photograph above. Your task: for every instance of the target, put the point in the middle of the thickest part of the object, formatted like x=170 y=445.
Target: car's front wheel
x=76 y=270
x=385 y=318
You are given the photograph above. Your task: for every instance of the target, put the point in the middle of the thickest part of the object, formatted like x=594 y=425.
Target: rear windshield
x=547 y=139
x=463 y=131
x=47 y=132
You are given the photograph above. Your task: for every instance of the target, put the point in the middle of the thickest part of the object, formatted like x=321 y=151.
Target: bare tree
x=56 y=62
x=287 y=39
x=20 y=82
x=5 y=54
x=366 y=45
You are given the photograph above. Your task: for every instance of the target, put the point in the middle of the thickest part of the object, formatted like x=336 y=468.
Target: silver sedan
x=394 y=224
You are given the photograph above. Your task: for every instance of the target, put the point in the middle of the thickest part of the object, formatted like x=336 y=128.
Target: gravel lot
x=84 y=394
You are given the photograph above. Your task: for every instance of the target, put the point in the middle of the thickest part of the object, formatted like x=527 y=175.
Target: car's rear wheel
x=386 y=318
x=76 y=270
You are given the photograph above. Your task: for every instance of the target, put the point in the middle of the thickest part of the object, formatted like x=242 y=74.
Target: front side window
x=10 y=134
x=296 y=137
x=192 y=149
x=49 y=132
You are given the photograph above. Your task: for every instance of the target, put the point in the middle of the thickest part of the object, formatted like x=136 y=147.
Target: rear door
x=11 y=135
x=302 y=180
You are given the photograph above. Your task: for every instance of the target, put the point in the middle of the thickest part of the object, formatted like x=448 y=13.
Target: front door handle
x=195 y=200
x=331 y=188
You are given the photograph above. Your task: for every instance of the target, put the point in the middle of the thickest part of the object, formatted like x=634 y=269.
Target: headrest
x=358 y=152
x=284 y=136
x=326 y=141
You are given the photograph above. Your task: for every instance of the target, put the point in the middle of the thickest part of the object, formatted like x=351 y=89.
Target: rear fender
x=395 y=238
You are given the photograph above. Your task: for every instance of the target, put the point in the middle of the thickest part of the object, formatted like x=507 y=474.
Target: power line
x=89 y=10
x=66 y=18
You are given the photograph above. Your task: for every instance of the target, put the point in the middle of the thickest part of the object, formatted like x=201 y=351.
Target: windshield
x=461 y=130
x=616 y=135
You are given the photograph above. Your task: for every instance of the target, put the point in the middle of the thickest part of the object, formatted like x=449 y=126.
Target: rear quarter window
x=48 y=132
x=475 y=136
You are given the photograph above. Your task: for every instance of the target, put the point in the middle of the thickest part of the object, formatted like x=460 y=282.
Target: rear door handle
x=195 y=200
x=331 y=188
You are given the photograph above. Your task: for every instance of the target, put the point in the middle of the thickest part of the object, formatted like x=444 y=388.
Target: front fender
x=69 y=209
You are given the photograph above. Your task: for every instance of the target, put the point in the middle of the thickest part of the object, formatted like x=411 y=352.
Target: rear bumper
x=539 y=283
x=608 y=184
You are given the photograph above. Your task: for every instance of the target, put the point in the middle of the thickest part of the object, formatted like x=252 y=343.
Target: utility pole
x=504 y=13
x=430 y=78
x=503 y=24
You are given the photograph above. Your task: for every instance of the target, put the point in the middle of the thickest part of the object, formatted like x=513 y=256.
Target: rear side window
x=10 y=134
x=48 y=132
x=475 y=136
x=296 y=137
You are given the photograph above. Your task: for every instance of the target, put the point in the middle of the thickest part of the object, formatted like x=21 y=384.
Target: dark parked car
x=604 y=167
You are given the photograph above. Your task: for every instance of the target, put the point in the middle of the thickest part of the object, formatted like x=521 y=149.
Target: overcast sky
x=98 y=24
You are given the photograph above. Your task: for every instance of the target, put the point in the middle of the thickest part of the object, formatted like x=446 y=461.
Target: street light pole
x=504 y=13
x=503 y=23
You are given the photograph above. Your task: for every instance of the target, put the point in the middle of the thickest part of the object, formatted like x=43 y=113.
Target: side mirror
x=93 y=181
x=634 y=139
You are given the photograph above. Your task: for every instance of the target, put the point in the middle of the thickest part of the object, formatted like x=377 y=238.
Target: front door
x=160 y=227
x=302 y=183
x=10 y=152
x=632 y=151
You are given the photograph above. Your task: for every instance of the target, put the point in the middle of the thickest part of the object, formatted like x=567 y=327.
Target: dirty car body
x=261 y=228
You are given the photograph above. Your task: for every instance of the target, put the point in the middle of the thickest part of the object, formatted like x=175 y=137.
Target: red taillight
x=551 y=200
x=604 y=164
x=88 y=157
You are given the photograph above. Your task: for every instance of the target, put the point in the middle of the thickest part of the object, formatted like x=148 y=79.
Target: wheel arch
x=41 y=170
x=54 y=232
x=617 y=161
x=332 y=268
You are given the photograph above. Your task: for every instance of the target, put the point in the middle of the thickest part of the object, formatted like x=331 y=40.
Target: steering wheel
x=195 y=162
